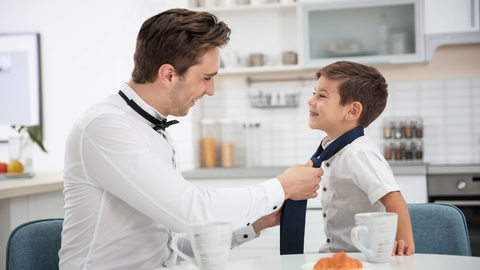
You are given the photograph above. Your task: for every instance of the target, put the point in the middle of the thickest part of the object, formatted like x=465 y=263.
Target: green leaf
x=35 y=133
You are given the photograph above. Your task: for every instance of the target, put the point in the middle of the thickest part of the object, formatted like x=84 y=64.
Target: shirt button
x=328 y=240
x=328 y=164
x=275 y=207
x=245 y=236
x=324 y=189
x=324 y=215
x=248 y=224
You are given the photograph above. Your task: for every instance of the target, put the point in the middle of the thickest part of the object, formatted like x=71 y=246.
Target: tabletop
x=293 y=262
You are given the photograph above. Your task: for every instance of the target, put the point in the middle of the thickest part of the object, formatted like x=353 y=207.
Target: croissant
x=339 y=261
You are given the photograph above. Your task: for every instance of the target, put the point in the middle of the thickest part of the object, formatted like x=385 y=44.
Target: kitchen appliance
x=458 y=185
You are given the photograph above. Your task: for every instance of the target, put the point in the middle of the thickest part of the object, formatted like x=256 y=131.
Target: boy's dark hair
x=360 y=83
x=178 y=37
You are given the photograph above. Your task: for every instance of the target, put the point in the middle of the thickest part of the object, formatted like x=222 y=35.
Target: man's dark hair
x=178 y=37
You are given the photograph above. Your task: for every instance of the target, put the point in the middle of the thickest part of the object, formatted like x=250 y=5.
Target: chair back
x=34 y=245
x=439 y=228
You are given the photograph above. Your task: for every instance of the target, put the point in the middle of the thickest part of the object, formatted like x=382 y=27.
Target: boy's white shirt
x=353 y=182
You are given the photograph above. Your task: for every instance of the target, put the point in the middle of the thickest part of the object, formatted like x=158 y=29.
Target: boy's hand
x=267 y=221
x=400 y=248
x=301 y=182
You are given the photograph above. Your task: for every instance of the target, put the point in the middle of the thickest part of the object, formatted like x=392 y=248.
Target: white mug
x=375 y=234
x=210 y=244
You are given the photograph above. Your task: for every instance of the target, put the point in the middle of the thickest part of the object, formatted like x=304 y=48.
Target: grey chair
x=34 y=245
x=439 y=228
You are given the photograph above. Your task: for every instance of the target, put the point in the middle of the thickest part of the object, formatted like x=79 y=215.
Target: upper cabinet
x=286 y=35
x=369 y=32
x=450 y=22
x=451 y=16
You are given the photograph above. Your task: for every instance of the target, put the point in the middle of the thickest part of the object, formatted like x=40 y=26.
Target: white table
x=294 y=262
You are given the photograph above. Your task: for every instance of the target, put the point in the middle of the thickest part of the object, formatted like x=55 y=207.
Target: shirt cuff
x=275 y=195
x=243 y=235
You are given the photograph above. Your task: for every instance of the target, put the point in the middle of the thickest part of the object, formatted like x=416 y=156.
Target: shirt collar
x=131 y=94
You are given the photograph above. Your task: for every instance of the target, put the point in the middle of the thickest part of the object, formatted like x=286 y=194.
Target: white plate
x=310 y=265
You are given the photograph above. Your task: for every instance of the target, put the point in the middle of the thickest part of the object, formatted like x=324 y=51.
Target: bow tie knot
x=158 y=124
x=163 y=124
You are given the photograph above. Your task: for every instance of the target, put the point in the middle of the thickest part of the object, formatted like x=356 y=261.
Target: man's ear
x=354 y=111
x=165 y=75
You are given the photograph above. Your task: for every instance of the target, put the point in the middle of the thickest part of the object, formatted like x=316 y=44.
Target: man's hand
x=267 y=221
x=301 y=182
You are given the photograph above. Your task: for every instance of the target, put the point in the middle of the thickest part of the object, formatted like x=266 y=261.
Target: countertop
x=42 y=182
x=270 y=172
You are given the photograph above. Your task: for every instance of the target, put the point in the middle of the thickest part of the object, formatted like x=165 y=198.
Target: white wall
x=86 y=54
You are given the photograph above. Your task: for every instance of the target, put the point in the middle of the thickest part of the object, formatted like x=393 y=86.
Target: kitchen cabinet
x=369 y=32
x=269 y=29
x=322 y=32
x=450 y=22
x=451 y=16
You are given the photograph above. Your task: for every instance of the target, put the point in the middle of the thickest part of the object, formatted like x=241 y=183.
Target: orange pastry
x=339 y=261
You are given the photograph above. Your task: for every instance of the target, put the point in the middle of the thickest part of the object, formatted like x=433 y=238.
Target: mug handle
x=356 y=242
x=174 y=246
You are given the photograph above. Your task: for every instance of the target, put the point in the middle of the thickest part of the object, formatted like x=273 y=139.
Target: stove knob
x=461 y=185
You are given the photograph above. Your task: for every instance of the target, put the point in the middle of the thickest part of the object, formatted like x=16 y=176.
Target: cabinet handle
x=472 y=12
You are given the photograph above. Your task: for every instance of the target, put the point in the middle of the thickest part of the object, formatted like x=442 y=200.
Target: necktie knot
x=163 y=124
x=158 y=124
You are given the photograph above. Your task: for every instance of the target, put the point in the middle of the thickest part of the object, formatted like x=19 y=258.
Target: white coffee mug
x=210 y=244
x=375 y=234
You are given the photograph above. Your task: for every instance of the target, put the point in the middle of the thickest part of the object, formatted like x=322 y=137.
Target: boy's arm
x=395 y=203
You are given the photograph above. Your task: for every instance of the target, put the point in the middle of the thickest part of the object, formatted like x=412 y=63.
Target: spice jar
x=419 y=150
x=419 y=128
x=397 y=130
x=408 y=129
x=388 y=150
x=398 y=150
x=227 y=147
x=208 y=143
x=408 y=150
x=387 y=129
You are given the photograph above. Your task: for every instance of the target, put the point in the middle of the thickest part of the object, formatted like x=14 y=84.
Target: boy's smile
x=326 y=113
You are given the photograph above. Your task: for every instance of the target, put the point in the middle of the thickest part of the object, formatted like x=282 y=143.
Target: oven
x=458 y=185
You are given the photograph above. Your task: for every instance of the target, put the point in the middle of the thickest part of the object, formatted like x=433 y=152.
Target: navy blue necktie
x=292 y=221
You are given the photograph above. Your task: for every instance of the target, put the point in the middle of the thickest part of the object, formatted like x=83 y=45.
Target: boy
x=347 y=98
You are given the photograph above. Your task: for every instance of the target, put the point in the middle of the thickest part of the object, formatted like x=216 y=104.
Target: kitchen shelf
x=260 y=69
x=247 y=7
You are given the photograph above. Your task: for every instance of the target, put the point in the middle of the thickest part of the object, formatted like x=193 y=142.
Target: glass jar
x=208 y=143
x=388 y=151
x=398 y=150
x=408 y=150
x=419 y=128
x=227 y=147
x=418 y=150
x=408 y=129
x=397 y=130
x=387 y=129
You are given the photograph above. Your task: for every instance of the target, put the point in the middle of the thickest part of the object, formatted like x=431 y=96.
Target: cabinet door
x=413 y=187
x=369 y=32
x=451 y=16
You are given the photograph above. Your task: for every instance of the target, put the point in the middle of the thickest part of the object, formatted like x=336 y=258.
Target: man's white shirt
x=125 y=198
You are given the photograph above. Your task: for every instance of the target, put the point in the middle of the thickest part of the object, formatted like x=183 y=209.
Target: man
x=124 y=197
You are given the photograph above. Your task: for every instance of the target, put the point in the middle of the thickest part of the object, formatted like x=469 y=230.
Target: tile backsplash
x=449 y=108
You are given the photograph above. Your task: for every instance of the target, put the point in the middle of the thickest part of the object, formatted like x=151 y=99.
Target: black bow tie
x=159 y=124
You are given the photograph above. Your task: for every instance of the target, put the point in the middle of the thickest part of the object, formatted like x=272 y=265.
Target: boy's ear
x=165 y=75
x=354 y=111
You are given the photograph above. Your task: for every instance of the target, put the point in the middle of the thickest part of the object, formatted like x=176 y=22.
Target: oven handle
x=460 y=203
